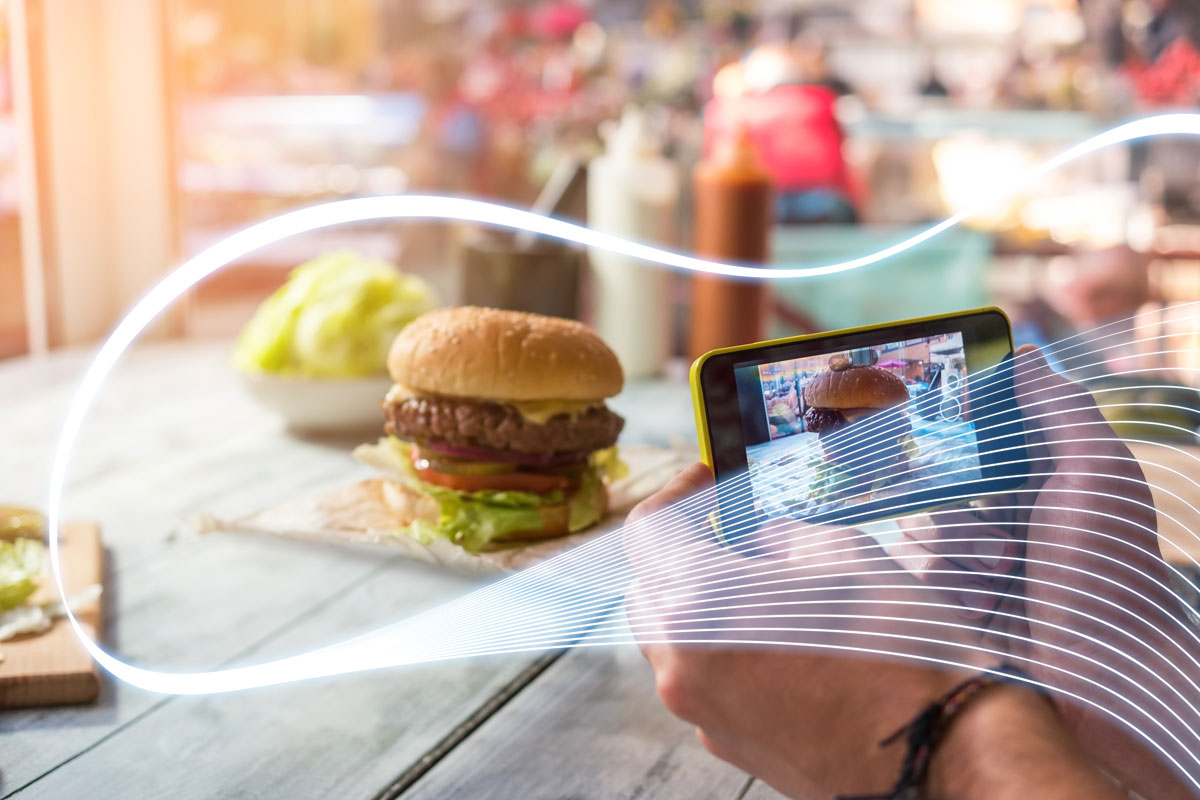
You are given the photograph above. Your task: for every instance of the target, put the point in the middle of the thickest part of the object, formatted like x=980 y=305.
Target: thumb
x=1060 y=409
x=670 y=529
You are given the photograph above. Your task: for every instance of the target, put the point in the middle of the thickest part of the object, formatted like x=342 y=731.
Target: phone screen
x=856 y=425
x=902 y=423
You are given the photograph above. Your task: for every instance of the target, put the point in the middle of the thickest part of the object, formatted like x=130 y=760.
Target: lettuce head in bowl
x=316 y=350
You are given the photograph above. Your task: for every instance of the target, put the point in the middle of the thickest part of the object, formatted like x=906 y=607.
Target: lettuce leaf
x=335 y=317
x=609 y=464
x=473 y=520
x=587 y=504
x=828 y=480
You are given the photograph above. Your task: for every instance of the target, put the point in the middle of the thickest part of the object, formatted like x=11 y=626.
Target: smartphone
x=861 y=424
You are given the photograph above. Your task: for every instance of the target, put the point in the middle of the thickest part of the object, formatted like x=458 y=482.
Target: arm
x=1009 y=744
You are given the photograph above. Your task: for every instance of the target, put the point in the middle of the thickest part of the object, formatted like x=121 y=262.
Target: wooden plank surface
x=590 y=727
x=198 y=606
x=339 y=737
x=761 y=791
x=173 y=435
x=52 y=668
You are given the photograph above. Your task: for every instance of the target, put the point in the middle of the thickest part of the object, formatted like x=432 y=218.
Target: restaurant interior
x=872 y=119
x=205 y=186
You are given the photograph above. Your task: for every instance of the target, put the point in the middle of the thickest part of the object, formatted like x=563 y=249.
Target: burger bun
x=491 y=354
x=856 y=387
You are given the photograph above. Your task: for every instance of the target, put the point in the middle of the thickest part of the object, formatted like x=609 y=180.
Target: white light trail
x=577 y=571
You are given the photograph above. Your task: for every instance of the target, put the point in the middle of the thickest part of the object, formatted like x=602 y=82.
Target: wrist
x=1009 y=743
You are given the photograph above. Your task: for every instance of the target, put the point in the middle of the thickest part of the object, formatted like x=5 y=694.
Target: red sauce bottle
x=732 y=223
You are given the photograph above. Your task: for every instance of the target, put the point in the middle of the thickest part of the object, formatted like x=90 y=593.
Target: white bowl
x=321 y=405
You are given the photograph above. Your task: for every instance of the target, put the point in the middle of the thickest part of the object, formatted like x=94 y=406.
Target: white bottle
x=633 y=192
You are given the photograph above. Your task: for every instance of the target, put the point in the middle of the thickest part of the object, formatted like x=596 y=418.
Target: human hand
x=758 y=653
x=1070 y=570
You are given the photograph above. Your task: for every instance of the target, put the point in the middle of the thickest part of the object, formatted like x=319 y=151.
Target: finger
x=971 y=593
x=966 y=541
x=813 y=546
x=995 y=509
x=953 y=534
x=838 y=558
x=991 y=558
x=1009 y=618
x=913 y=555
x=1097 y=485
x=696 y=478
x=671 y=553
x=646 y=625
x=668 y=523
x=1061 y=410
x=783 y=538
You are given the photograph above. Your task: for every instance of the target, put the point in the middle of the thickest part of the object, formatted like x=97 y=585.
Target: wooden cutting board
x=53 y=668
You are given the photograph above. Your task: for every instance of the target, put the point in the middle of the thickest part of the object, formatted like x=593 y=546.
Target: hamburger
x=858 y=414
x=497 y=428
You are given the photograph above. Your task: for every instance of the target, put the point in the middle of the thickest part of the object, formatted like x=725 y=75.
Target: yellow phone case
x=694 y=374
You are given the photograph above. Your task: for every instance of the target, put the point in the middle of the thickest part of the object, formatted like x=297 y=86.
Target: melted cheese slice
x=536 y=411
x=540 y=411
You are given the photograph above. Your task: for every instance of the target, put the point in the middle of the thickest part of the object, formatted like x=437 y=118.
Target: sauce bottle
x=732 y=223
x=633 y=192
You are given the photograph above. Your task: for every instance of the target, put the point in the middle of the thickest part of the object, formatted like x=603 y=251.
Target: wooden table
x=173 y=435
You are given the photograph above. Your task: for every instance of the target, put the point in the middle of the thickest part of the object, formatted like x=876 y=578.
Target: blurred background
x=137 y=132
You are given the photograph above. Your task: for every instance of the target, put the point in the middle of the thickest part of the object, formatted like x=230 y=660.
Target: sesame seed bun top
x=847 y=386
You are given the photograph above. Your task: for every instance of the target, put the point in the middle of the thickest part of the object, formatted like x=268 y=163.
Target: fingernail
x=990 y=554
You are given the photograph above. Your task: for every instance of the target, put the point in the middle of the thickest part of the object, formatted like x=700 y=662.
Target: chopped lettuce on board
x=23 y=566
x=335 y=317
x=473 y=519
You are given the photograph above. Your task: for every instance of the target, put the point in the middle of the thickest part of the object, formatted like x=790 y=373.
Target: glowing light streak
x=364 y=652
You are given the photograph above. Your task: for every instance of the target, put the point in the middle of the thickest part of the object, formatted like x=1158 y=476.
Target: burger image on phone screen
x=858 y=414
x=498 y=431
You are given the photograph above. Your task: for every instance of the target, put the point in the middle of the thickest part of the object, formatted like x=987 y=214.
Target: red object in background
x=794 y=131
x=514 y=23
x=1174 y=79
x=558 y=18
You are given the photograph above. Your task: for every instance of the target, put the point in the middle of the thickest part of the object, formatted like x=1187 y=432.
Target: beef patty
x=496 y=426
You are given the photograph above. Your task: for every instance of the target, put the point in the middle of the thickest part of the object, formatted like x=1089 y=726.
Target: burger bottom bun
x=410 y=505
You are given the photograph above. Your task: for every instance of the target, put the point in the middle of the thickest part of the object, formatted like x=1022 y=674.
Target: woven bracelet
x=926 y=729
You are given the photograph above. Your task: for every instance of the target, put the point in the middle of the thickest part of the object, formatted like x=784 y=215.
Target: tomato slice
x=510 y=481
